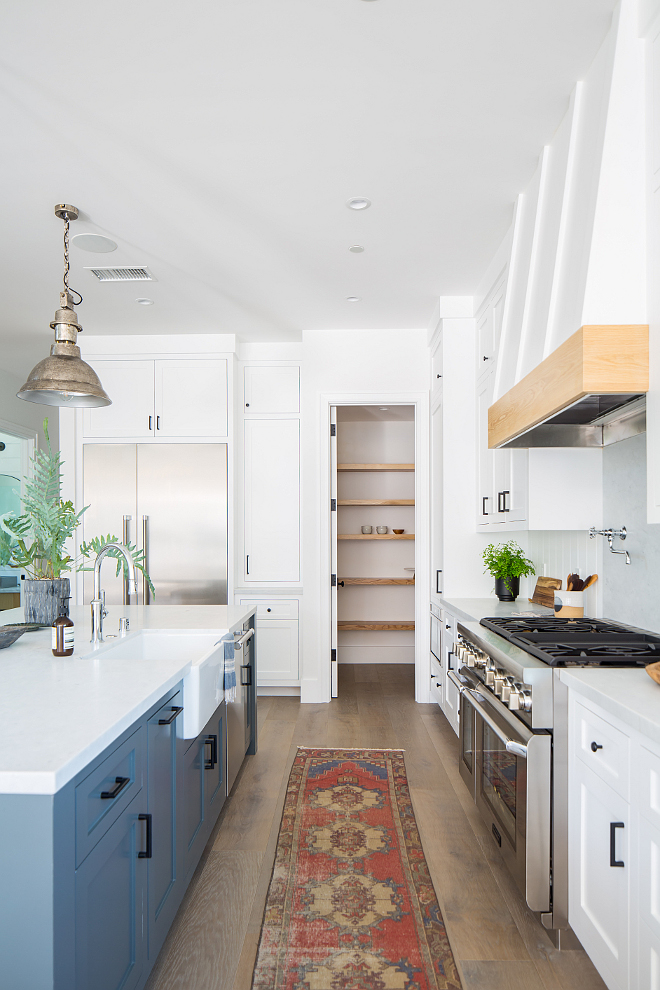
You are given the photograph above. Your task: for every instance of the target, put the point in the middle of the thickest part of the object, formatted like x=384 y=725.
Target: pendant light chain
x=66 y=255
x=66 y=264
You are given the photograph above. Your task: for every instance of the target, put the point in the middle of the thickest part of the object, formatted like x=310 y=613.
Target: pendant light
x=63 y=378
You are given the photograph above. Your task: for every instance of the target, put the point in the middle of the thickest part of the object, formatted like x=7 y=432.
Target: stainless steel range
x=514 y=736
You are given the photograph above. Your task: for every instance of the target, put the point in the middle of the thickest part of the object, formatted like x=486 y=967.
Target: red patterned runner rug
x=351 y=905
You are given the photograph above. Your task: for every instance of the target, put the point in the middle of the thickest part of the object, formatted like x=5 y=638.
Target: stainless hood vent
x=590 y=392
x=586 y=425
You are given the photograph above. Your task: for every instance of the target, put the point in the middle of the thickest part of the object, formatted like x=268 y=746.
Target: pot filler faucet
x=609 y=534
x=99 y=610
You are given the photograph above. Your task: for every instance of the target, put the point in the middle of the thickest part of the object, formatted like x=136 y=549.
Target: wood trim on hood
x=596 y=360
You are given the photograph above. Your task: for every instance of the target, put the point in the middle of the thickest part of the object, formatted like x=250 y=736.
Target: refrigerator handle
x=124 y=539
x=146 y=593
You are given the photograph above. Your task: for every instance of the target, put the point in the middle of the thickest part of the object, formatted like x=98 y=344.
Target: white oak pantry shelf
x=376 y=501
x=367 y=580
x=375 y=467
x=347 y=625
x=375 y=536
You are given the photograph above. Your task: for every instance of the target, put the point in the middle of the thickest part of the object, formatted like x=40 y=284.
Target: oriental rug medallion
x=351 y=905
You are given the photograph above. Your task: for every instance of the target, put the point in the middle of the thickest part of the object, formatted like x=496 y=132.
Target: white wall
x=362 y=366
x=28 y=416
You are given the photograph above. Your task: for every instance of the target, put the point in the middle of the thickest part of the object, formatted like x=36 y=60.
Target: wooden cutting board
x=544 y=592
x=653 y=670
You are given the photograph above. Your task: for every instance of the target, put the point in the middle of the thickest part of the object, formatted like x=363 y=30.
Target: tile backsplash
x=630 y=592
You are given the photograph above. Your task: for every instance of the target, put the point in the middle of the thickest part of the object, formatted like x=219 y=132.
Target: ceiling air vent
x=123 y=274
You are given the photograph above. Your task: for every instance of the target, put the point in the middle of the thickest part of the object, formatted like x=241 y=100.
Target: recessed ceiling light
x=356 y=248
x=96 y=243
x=353 y=298
x=358 y=203
x=383 y=408
x=145 y=302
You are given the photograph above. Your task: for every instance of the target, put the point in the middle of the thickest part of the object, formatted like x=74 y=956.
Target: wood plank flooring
x=498 y=943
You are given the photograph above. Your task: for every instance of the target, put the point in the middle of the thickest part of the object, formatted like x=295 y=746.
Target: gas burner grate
x=511 y=626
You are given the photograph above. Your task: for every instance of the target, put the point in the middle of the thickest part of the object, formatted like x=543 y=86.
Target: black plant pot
x=503 y=592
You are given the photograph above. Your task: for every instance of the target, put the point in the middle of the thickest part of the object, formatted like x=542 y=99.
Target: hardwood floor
x=498 y=943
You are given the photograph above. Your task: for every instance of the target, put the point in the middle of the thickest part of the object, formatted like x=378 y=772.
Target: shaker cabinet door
x=271 y=389
x=272 y=501
x=599 y=867
x=110 y=892
x=191 y=398
x=130 y=386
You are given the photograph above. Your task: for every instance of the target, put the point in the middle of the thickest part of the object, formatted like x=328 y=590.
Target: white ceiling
x=217 y=142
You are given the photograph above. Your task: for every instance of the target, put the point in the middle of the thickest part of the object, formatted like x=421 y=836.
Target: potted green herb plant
x=35 y=541
x=507 y=563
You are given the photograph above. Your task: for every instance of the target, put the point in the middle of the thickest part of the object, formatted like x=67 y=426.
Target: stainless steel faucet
x=99 y=610
x=609 y=534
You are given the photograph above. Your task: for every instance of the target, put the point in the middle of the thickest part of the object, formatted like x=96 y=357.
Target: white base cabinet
x=443 y=691
x=614 y=846
x=278 y=640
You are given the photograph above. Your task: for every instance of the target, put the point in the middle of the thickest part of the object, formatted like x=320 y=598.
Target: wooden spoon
x=590 y=580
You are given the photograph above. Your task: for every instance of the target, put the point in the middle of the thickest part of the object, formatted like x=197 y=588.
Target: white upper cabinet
x=271 y=389
x=165 y=398
x=272 y=501
x=191 y=398
x=130 y=385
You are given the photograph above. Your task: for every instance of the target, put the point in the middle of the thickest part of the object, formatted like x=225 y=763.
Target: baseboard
x=268 y=691
x=376 y=654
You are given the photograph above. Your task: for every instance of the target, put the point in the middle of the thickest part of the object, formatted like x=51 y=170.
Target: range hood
x=589 y=392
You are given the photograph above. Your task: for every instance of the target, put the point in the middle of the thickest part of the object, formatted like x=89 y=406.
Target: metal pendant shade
x=63 y=378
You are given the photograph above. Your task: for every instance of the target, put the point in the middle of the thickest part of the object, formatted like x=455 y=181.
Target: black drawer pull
x=148 y=852
x=213 y=742
x=595 y=747
x=248 y=682
x=115 y=791
x=613 y=860
x=484 y=499
x=168 y=721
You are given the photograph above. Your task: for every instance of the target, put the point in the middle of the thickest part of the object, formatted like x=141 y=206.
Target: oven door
x=511 y=786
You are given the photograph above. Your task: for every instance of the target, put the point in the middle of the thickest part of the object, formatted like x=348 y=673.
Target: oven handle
x=460 y=684
x=512 y=745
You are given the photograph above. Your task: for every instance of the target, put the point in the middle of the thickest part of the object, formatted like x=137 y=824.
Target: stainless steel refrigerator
x=170 y=500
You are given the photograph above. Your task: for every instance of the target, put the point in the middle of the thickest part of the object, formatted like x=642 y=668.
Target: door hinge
x=333 y=505
x=333 y=656
x=333 y=430
x=333 y=580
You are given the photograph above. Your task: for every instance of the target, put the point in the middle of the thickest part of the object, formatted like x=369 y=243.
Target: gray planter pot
x=41 y=599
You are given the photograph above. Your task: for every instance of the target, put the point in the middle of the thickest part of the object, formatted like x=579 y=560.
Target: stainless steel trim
x=146 y=591
x=242 y=640
x=124 y=539
x=461 y=685
x=512 y=745
x=625 y=421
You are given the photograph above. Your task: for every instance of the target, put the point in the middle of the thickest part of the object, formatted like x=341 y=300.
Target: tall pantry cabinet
x=268 y=557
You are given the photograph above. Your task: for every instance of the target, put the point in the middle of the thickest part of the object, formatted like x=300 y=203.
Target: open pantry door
x=333 y=551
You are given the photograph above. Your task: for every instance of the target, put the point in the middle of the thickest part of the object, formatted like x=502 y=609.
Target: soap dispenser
x=62 y=638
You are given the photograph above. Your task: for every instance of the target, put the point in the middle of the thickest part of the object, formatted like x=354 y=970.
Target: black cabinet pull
x=447 y=626
x=505 y=508
x=213 y=742
x=438 y=589
x=438 y=376
x=613 y=860
x=148 y=852
x=150 y=418
x=248 y=667
x=595 y=747
x=484 y=499
x=115 y=791
x=340 y=584
x=157 y=422
x=168 y=721
x=247 y=564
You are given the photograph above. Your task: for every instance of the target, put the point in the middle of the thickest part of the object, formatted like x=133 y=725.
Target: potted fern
x=507 y=563
x=35 y=541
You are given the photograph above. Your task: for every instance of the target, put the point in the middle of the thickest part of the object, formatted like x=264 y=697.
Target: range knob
x=490 y=672
x=471 y=657
x=498 y=681
x=509 y=682
x=480 y=659
x=526 y=700
x=515 y=696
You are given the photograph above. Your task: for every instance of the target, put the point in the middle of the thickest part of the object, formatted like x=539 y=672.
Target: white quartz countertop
x=475 y=609
x=58 y=714
x=629 y=694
